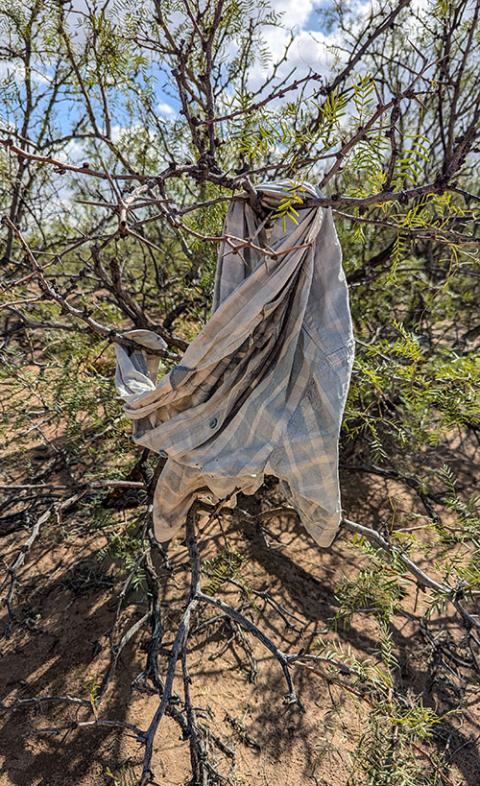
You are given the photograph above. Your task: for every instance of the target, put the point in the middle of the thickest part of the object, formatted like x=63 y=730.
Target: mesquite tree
x=125 y=130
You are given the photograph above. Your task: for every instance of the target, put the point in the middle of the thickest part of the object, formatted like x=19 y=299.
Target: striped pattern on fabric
x=262 y=388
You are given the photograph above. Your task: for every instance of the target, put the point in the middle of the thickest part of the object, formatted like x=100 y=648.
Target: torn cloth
x=262 y=389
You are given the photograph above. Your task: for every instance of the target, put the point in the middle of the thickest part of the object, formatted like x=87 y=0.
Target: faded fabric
x=262 y=389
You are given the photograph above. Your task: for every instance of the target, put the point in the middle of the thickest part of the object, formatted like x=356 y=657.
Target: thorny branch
x=162 y=192
x=203 y=767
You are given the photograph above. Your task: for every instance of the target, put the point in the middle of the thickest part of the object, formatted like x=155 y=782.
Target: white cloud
x=313 y=50
x=14 y=71
x=74 y=152
x=165 y=109
x=295 y=13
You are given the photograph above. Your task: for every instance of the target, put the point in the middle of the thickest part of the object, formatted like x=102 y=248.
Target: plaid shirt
x=262 y=388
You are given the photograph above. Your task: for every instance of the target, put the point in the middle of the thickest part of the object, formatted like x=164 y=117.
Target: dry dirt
x=65 y=608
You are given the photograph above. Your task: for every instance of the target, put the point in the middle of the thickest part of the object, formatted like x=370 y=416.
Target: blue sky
x=311 y=50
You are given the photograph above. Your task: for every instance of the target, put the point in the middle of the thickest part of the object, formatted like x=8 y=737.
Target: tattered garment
x=262 y=389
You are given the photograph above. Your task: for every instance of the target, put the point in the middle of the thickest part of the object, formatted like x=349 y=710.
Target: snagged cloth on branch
x=262 y=389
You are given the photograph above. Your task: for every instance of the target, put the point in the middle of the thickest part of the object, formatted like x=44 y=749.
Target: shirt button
x=213 y=423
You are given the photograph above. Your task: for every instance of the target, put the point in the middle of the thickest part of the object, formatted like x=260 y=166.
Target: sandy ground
x=65 y=609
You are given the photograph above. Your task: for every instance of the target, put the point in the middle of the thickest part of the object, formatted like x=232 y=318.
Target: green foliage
x=366 y=670
x=386 y=753
x=287 y=207
x=387 y=746
x=365 y=167
x=125 y=776
x=410 y=165
x=92 y=93
x=92 y=686
x=363 y=94
x=125 y=548
x=370 y=591
x=402 y=394
x=332 y=111
x=227 y=564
